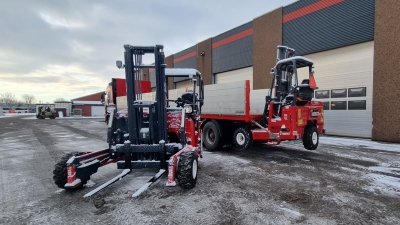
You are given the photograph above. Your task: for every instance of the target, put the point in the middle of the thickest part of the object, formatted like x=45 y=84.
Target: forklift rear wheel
x=211 y=136
x=187 y=170
x=310 y=138
x=242 y=138
x=60 y=170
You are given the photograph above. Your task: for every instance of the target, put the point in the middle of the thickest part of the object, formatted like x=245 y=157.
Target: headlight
x=188 y=109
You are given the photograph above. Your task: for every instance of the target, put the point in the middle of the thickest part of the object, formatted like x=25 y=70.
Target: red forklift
x=150 y=134
x=290 y=112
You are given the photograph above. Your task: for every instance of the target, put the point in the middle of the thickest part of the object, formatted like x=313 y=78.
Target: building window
x=322 y=94
x=339 y=93
x=358 y=92
x=326 y=105
x=358 y=105
x=338 y=105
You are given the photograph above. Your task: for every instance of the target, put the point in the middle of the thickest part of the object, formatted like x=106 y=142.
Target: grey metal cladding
x=186 y=63
x=297 y=5
x=234 y=31
x=235 y=55
x=345 y=23
x=153 y=78
x=184 y=52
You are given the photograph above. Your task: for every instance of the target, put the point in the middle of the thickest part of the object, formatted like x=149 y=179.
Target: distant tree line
x=10 y=100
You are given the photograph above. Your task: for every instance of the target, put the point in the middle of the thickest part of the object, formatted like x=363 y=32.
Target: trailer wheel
x=310 y=138
x=60 y=170
x=211 y=136
x=242 y=138
x=187 y=170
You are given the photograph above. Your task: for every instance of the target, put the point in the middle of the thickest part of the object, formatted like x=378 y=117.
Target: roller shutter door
x=97 y=110
x=344 y=77
x=235 y=75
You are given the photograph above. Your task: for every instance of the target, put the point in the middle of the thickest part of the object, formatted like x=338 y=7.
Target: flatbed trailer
x=227 y=112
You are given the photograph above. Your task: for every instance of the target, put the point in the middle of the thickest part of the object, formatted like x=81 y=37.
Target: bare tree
x=9 y=99
x=28 y=100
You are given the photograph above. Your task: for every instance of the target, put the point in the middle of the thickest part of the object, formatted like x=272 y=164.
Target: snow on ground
x=346 y=180
x=356 y=142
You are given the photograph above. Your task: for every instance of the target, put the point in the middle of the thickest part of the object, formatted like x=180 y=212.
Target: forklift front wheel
x=187 y=170
x=242 y=138
x=310 y=138
x=60 y=170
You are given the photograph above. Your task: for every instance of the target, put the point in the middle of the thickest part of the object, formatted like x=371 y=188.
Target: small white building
x=67 y=105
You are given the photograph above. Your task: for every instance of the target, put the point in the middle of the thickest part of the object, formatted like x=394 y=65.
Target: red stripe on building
x=233 y=38
x=191 y=54
x=322 y=4
x=151 y=70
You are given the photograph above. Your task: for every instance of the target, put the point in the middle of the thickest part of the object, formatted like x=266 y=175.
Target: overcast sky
x=67 y=49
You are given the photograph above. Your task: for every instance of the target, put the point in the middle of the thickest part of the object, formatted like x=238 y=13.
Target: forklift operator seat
x=304 y=93
x=187 y=97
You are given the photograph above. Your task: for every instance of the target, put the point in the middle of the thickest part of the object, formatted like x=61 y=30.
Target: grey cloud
x=31 y=79
x=29 y=43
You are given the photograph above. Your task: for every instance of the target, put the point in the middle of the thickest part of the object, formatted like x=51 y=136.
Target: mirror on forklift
x=119 y=64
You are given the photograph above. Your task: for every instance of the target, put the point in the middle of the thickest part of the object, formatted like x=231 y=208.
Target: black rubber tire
x=60 y=170
x=52 y=117
x=242 y=138
x=309 y=143
x=211 y=135
x=187 y=177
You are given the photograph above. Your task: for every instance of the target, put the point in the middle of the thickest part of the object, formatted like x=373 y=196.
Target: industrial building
x=353 y=43
x=89 y=105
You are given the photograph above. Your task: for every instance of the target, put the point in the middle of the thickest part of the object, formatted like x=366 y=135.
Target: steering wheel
x=179 y=102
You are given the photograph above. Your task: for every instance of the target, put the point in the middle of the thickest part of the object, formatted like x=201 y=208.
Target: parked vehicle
x=290 y=113
x=44 y=111
x=149 y=134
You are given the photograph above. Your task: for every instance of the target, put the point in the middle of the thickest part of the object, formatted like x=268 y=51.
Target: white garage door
x=235 y=75
x=344 y=77
x=97 y=110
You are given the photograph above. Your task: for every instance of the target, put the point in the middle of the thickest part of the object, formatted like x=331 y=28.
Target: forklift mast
x=157 y=113
x=285 y=88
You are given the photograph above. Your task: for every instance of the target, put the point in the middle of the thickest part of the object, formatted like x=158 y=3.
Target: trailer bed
x=233 y=101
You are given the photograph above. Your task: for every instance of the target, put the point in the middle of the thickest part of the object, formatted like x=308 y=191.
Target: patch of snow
x=59 y=191
x=349 y=169
x=18 y=114
x=383 y=183
x=291 y=211
x=385 y=169
x=228 y=158
x=361 y=143
x=90 y=183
